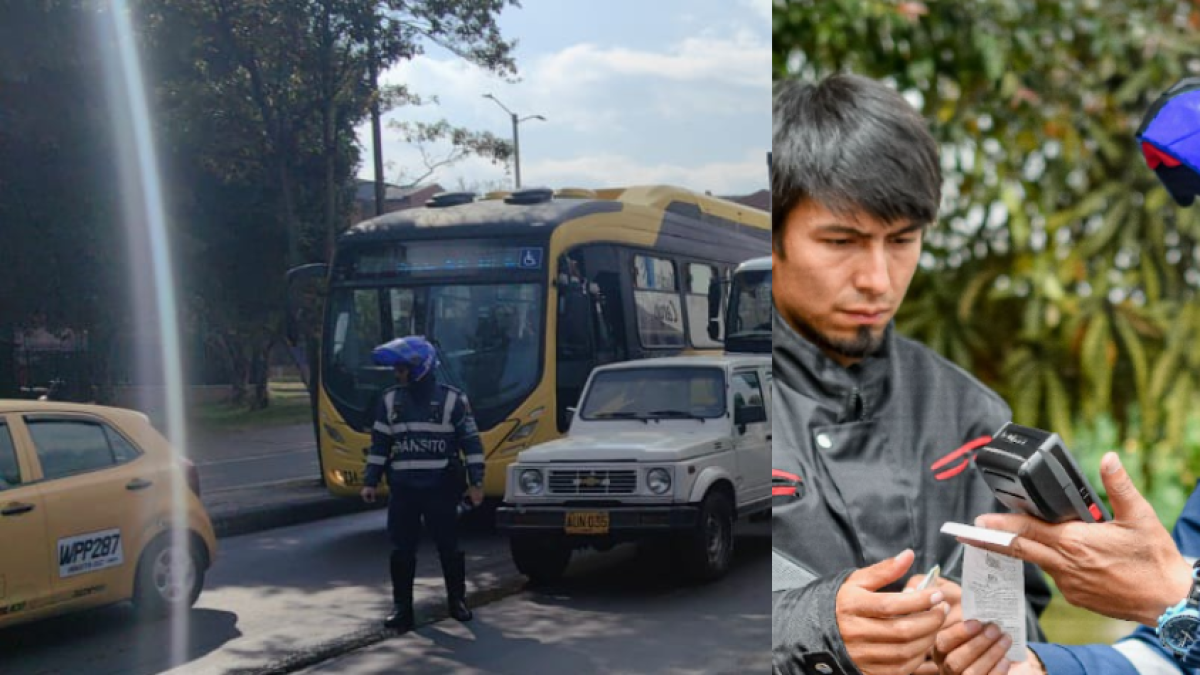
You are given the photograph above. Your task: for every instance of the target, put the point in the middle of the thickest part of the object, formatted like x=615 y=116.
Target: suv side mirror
x=751 y=414
x=571 y=410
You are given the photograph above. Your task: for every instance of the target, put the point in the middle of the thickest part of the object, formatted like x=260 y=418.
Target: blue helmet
x=413 y=351
x=1170 y=140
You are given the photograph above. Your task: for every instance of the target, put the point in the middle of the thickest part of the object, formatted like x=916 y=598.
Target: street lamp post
x=516 y=123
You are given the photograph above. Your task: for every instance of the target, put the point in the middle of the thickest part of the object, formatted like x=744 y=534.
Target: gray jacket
x=867 y=461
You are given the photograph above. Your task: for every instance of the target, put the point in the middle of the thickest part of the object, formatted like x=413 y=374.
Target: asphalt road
x=255 y=457
x=279 y=597
x=623 y=620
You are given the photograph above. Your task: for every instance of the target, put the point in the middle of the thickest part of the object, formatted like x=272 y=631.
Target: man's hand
x=971 y=648
x=1128 y=568
x=1032 y=665
x=953 y=593
x=367 y=494
x=475 y=494
x=888 y=633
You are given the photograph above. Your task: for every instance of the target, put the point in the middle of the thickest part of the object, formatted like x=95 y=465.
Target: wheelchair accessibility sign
x=531 y=259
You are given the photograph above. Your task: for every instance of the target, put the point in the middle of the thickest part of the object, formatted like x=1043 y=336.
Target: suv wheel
x=542 y=560
x=708 y=550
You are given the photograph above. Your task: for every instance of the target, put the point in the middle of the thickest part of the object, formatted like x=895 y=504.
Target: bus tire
x=708 y=550
x=542 y=560
x=156 y=591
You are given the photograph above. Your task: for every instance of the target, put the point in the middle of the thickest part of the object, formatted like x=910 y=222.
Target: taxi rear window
x=68 y=447
x=10 y=472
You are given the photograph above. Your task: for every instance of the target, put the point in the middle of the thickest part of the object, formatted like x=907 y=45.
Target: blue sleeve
x=381 y=445
x=467 y=433
x=1092 y=659
x=1082 y=660
x=1187 y=528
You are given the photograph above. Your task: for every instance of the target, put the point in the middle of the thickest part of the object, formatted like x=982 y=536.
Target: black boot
x=454 y=569
x=403 y=570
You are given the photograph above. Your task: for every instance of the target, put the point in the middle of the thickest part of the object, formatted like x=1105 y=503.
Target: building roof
x=414 y=195
x=760 y=200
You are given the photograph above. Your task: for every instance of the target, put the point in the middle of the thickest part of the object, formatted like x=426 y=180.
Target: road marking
x=302 y=480
x=256 y=458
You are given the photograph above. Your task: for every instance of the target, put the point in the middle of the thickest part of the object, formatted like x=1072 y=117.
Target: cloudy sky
x=634 y=92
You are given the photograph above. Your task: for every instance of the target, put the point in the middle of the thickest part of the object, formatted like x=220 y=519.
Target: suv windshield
x=656 y=393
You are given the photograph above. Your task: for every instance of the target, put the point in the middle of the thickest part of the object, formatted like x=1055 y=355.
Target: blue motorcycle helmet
x=1170 y=139
x=413 y=351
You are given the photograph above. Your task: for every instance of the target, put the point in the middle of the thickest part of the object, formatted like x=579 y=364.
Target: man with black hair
x=873 y=453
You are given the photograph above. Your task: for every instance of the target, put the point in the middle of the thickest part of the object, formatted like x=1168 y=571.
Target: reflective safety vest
x=418 y=443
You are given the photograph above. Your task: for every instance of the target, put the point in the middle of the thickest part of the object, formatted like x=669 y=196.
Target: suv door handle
x=16 y=509
x=138 y=484
x=768 y=437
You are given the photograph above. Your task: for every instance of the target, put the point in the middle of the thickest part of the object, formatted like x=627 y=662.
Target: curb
x=285 y=505
x=428 y=611
x=230 y=520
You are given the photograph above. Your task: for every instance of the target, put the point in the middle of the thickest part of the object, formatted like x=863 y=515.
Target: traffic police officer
x=420 y=428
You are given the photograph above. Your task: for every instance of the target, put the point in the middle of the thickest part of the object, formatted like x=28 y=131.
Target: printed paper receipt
x=993 y=591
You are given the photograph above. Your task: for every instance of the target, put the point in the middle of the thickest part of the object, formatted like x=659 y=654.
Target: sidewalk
x=491 y=576
x=270 y=504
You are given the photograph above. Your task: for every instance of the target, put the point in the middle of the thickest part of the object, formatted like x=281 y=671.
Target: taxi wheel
x=708 y=550
x=168 y=576
x=543 y=561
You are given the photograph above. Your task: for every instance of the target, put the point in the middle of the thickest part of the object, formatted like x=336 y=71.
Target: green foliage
x=254 y=106
x=289 y=406
x=462 y=142
x=1060 y=272
x=59 y=194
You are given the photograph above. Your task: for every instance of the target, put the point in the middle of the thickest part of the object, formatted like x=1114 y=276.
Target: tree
x=1063 y=276
x=259 y=100
x=58 y=199
x=462 y=143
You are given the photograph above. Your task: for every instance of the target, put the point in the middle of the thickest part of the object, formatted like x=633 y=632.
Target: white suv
x=669 y=449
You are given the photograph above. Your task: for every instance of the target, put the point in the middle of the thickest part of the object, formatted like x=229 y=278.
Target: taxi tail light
x=193 y=476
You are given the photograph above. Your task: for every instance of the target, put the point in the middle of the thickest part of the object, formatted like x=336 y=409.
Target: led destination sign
x=432 y=257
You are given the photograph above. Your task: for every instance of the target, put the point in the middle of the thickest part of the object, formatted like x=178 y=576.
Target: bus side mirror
x=314 y=271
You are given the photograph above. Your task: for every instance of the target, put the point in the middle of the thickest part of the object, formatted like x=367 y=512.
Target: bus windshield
x=488 y=338
x=748 y=324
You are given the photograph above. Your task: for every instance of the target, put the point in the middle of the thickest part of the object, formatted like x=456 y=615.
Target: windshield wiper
x=676 y=413
x=622 y=415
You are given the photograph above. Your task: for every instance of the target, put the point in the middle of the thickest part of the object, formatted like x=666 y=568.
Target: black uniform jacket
x=867 y=461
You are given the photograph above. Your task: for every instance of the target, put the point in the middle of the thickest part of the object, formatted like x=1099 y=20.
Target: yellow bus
x=750 y=309
x=523 y=294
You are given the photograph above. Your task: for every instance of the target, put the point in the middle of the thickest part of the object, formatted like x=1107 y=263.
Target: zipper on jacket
x=858 y=406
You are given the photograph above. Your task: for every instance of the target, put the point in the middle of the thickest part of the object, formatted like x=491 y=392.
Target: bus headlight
x=658 y=480
x=531 y=482
x=334 y=433
x=522 y=432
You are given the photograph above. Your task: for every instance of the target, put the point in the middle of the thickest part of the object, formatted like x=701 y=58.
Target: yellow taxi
x=86 y=513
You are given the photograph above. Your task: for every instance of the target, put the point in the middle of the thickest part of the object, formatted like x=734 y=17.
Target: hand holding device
x=1031 y=471
x=1104 y=567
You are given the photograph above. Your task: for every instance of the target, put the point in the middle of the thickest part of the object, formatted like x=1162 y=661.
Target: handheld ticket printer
x=1031 y=471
